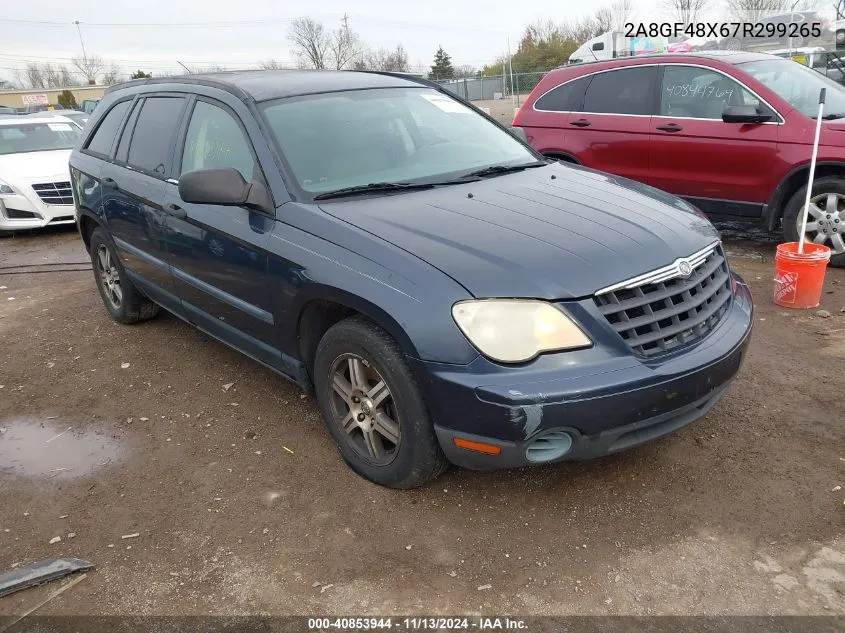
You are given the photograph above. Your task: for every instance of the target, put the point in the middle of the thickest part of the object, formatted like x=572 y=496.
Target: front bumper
x=605 y=398
x=18 y=211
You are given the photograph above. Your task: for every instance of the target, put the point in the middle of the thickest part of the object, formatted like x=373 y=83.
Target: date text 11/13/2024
x=417 y=623
x=723 y=29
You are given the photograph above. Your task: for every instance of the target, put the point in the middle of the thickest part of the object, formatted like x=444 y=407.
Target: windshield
x=37 y=137
x=414 y=135
x=798 y=85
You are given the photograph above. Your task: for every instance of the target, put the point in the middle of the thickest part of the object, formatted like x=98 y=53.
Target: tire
x=404 y=452
x=122 y=300
x=733 y=44
x=823 y=187
x=840 y=37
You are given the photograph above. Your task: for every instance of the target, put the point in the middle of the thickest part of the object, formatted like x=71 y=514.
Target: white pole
x=510 y=63
x=803 y=234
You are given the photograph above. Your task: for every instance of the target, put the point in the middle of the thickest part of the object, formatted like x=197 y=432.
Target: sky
x=153 y=34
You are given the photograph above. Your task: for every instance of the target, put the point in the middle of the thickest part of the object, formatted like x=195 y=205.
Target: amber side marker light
x=478 y=447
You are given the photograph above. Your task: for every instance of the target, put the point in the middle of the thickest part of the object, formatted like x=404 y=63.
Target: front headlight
x=6 y=188
x=516 y=330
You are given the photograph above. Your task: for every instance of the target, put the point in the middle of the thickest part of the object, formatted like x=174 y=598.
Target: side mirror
x=225 y=187
x=744 y=114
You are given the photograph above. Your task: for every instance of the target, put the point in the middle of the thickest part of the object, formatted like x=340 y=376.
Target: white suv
x=34 y=175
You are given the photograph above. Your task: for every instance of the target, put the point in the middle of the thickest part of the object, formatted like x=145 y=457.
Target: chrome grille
x=658 y=316
x=54 y=192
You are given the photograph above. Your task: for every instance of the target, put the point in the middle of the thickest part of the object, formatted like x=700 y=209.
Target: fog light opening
x=548 y=447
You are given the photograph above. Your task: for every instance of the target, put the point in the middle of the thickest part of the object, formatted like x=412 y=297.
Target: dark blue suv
x=446 y=293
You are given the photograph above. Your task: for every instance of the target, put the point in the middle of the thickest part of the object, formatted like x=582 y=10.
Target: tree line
x=544 y=44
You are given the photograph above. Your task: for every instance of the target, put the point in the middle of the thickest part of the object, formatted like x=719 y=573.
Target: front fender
x=413 y=305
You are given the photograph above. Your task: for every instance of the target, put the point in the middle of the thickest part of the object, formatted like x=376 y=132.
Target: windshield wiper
x=832 y=116
x=495 y=170
x=372 y=188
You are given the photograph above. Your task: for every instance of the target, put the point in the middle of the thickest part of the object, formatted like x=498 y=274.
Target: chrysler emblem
x=684 y=268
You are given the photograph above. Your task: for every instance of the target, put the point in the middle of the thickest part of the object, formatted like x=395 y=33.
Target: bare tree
x=755 y=10
x=344 y=46
x=271 y=64
x=839 y=7
x=311 y=43
x=90 y=67
x=202 y=70
x=395 y=60
x=542 y=29
x=581 y=30
x=46 y=76
x=32 y=77
x=112 y=74
x=465 y=71
x=688 y=11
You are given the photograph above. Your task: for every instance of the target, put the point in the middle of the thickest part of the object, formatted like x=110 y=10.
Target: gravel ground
x=242 y=505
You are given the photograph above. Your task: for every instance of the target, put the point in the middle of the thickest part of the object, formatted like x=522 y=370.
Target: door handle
x=580 y=123
x=109 y=183
x=175 y=210
x=670 y=127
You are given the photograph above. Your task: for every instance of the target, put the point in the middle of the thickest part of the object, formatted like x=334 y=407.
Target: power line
x=416 y=25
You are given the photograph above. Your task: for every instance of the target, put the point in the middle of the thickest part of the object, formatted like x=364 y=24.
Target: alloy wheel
x=109 y=276
x=826 y=221
x=362 y=405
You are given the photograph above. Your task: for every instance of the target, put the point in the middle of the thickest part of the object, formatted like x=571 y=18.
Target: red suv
x=730 y=132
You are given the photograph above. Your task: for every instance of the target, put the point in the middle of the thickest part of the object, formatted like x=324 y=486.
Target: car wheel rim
x=840 y=36
x=733 y=45
x=109 y=276
x=826 y=221
x=363 y=408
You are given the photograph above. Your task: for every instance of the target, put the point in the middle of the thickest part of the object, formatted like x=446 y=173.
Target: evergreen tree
x=442 y=67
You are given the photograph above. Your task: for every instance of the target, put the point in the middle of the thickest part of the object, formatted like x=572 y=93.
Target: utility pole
x=345 y=21
x=81 y=43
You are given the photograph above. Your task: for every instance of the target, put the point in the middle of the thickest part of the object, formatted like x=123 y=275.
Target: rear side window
x=565 y=98
x=625 y=91
x=152 y=140
x=123 y=145
x=101 y=142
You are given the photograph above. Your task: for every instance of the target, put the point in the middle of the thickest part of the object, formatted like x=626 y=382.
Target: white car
x=34 y=175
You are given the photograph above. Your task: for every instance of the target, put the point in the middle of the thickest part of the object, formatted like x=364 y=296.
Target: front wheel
x=373 y=407
x=826 y=217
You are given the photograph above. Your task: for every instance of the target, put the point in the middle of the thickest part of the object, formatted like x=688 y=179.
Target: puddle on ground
x=33 y=447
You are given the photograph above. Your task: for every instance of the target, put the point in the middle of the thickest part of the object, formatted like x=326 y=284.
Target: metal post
x=510 y=63
x=81 y=43
x=803 y=235
x=791 y=14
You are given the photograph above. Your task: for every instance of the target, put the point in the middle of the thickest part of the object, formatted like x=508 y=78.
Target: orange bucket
x=799 y=276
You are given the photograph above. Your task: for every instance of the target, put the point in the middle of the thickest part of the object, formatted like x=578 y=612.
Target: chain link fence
x=829 y=63
x=492 y=88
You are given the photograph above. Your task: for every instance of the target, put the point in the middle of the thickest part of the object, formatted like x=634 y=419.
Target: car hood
x=31 y=166
x=553 y=232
